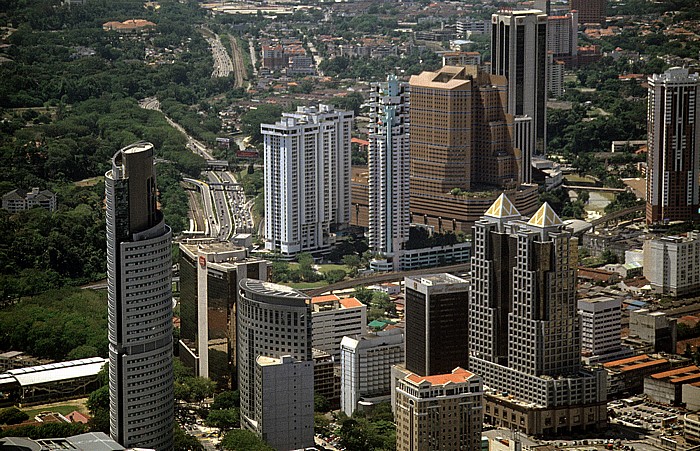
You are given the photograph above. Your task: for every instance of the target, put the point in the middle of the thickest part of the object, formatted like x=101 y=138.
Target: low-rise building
x=332 y=319
x=626 y=376
x=654 y=328
x=19 y=200
x=691 y=428
x=667 y=387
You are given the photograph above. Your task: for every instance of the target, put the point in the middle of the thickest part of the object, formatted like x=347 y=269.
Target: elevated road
x=618 y=215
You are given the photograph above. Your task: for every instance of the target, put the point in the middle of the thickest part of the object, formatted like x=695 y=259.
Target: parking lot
x=654 y=418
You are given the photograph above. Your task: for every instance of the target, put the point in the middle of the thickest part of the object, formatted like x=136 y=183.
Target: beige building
x=439 y=412
x=672 y=264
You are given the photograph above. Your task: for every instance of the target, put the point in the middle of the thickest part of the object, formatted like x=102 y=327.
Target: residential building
x=307 y=179
x=442 y=411
x=469 y=25
x=19 y=200
x=562 y=37
x=600 y=330
x=285 y=411
x=326 y=378
x=462 y=144
x=654 y=328
x=139 y=300
x=673 y=157
x=519 y=53
x=388 y=157
x=461 y=58
x=590 y=11
x=332 y=319
x=436 y=313
x=365 y=367
x=523 y=326
x=209 y=275
x=672 y=264
x=555 y=77
x=275 y=321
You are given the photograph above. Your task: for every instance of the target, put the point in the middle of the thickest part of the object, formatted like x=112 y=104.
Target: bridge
x=594 y=188
x=617 y=215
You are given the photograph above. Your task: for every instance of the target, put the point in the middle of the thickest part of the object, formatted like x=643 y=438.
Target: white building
x=562 y=35
x=273 y=321
x=600 y=330
x=672 y=264
x=285 y=413
x=139 y=299
x=555 y=77
x=388 y=156
x=365 y=367
x=307 y=179
x=519 y=52
x=332 y=319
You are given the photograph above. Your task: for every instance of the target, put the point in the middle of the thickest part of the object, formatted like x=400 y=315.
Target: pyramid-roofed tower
x=545 y=217
x=502 y=208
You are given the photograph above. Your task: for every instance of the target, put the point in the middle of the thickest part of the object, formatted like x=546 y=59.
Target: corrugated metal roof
x=60 y=371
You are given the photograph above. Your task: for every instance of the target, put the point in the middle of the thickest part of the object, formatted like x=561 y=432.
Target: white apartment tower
x=388 y=153
x=523 y=324
x=365 y=366
x=672 y=264
x=673 y=160
x=600 y=330
x=274 y=321
x=519 y=52
x=332 y=319
x=307 y=179
x=139 y=298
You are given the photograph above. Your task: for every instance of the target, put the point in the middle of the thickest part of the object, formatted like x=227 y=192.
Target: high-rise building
x=562 y=37
x=209 y=275
x=555 y=77
x=439 y=412
x=273 y=321
x=365 y=367
x=139 y=298
x=519 y=53
x=523 y=325
x=436 y=313
x=672 y=264
x=673 y=160
x=590 y=11
x=307 y=179
x=462 y=141
x=388 y=156
x=600 y=330
x=332 y=319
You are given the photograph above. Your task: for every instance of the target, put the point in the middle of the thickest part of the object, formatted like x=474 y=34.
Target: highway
x=222 y=61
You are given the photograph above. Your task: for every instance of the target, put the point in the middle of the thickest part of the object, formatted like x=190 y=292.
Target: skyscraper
x=523 y=324
x=307 y=179
x=388 y=153
x=274 y=321
x=519 y=53
x=436 y=330
x=139 y=295
x=673 y=135
x=590 y=11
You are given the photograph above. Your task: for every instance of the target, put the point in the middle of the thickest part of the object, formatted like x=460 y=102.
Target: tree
x=12 y=415
x=353 y=262
x=185 y=442
x=244 y=440
x=226 y=400
x=263 y=114
x=321 y=403
x=224 y=418
x=335 y=275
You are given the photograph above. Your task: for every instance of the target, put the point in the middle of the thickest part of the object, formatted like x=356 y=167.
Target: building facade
x=436 y=314
x=388 y=157
x=590 y=11
x=523 y=325
x=562 y=37
x=332 y=319
x=655 y=329
x=673 y=158
x=139 y=298
x=209 y=276
x=439 y=412
x=307 y=179
x=672 y=264
x=365 y=367
x=19 y=200
x=519 y=53
x=600 y=330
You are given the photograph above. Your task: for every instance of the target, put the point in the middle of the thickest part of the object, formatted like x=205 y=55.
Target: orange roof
x=675 y=372
x=645 y=364
x=359 y=141
x=686 y=379
x=458 y=375
x=621 y=362
x=326 y=298
x=350 y=303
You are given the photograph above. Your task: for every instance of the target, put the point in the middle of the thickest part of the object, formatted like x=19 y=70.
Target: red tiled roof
x=350 y=303
x=645 y=364
x=326 y=298
x=625 y=361
x=675 y=372
x=457 y=375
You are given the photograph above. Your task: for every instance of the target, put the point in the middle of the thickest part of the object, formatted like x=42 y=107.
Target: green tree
x=353 y=262
x=263 y=114
x=335 y=275
x=224 y=418
x=12 y=415
x=244 y=440
x=321 y=403
x=185 y=442
x=226 y=400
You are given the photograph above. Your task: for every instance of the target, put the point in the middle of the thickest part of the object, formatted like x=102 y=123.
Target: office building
x=326 y=377
x=439 y=412
x=273 y=321
x=673 y=158
x=209 y=275
x=600 y=330
x=365 y=368
x=519 y=53
x=562 y=37
x=436 y=313
x=139 y=299
x=672 y=264
x=307 y=179
x=332 y=319
x=285 y=411
x=523 y=324
x=590 y=11
x=462 y=143
x=388 y=156
x=655 y=329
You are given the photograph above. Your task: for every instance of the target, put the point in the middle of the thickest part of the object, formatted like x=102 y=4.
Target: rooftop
x=54 y=372
x=271 y=289
x=545 y=217
x=457 y=376
x=502 y=208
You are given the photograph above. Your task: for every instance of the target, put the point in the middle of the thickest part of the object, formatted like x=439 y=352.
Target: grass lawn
x=330 y=267
x=307 y=285
x=62 y=408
